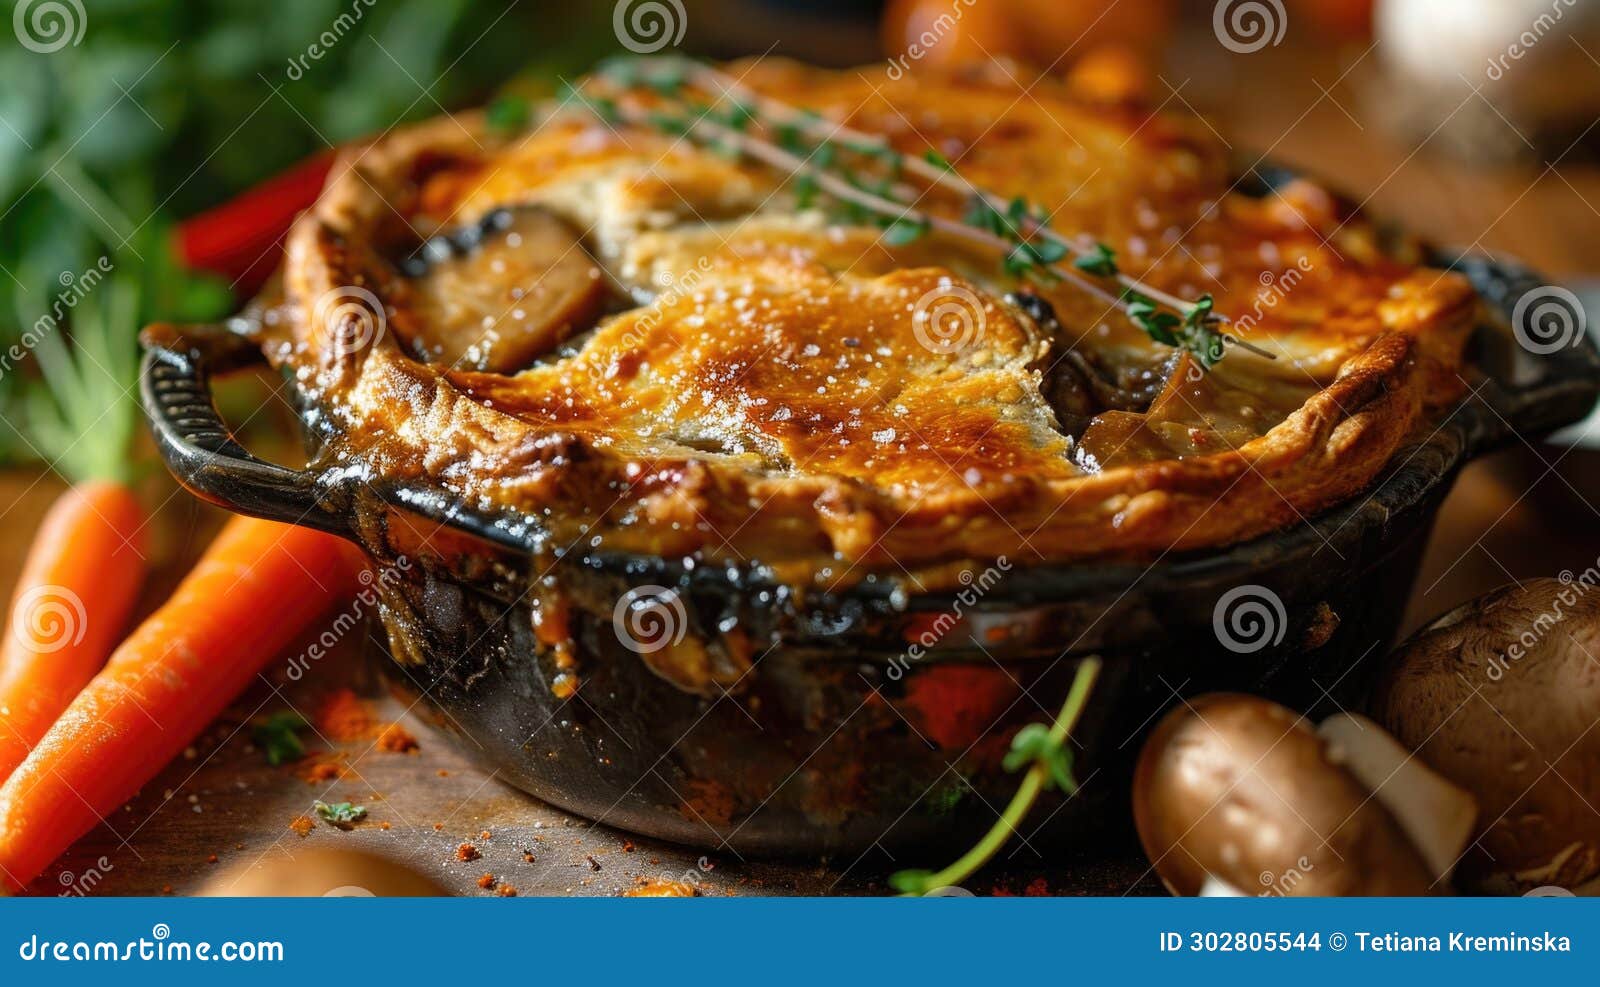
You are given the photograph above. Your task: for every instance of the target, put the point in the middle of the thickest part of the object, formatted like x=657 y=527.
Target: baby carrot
x=70 y=608
x=256 y=588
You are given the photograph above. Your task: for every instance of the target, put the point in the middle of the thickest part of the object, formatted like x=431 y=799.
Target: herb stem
x=821 y=128
x=838 y=188
x=1011 y=230
x=1032 y=784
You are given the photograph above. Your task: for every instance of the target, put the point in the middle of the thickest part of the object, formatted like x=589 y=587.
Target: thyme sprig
x=1044 y=751
x=811 y=149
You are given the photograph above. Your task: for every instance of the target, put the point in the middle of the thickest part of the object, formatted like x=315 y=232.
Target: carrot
x=258 y=586
x=70 y=608
x=83 y=571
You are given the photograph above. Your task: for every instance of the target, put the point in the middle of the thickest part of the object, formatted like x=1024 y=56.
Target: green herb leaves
x=1044 y=753
x=864 y=179
x=1034 y=745
x=1101 y=262
x=278 y=737
x=904 y=230
x=508 y=115
x=341 y=814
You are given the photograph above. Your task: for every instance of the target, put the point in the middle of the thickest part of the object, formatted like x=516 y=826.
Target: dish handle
x=175 y=389
x=1534 y=379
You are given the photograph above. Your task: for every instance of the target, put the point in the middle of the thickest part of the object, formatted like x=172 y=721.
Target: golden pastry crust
x=773 y=385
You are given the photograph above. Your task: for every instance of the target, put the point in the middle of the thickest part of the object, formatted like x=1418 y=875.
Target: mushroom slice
x=1243 y=791
x=498 y=294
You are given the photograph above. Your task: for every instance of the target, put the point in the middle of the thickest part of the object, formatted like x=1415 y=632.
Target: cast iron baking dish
x=835 y=741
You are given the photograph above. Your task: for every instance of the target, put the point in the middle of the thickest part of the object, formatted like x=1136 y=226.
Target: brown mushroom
x=1502 y=695
x=321 y=872
x=1243 y=793
x=496 y=295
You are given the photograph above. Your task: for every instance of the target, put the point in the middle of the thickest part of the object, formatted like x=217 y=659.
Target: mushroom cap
x=1243 y=789
x=1502 y=696
x=322 y=872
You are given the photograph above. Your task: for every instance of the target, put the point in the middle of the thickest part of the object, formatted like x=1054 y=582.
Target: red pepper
x=241 y=239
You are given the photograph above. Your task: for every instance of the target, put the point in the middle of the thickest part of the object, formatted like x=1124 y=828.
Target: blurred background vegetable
x=163 y=110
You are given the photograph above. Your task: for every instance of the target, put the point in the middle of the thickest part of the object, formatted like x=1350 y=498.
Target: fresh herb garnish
x=508 y=114
x=1044 y=751
x=277 y=736
x=341 y=814
x=1101 y=261
x=903 y=231
x=829 y=158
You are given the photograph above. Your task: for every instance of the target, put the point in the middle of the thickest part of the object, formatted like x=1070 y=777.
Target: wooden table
x=1528 y=511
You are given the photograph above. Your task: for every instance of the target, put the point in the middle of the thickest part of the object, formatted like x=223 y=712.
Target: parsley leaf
x=1101 y=262
x=277 y=737
x=508 y=115
x=341 y=814
x=905 y=230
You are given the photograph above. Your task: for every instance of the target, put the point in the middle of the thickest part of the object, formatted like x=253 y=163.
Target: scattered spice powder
x=506 y=891
x=443 y=773
x=467 y=851
x=593 y=863
x=343 y=715
x=211 y=859
x=527 y=857
x=486 y=881
x=323 y=771
x=383 y=825
x=437 y=827
x=483 y=835
x=1037 y=888
x=302 y=825
x=397 y=739
x=627 y=846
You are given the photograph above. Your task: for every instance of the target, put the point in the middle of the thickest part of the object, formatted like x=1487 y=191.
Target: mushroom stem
x=1436 y=814
x=1216 y=887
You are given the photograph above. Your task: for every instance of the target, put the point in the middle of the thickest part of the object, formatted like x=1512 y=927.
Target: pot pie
x=649 y=344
